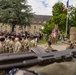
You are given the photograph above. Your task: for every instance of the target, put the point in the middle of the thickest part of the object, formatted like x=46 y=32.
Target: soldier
x=17 y=46
x=7 y=40
x=26 y=44
x=2 y=45
x=74 y=44
x=16 y=39
x=70 y=46
x=11 y=44
x=48 y=47
x=33 y=42
x=23 y=42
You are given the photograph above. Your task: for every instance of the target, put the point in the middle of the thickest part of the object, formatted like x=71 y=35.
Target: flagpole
x=67 y=18
x=67 y=22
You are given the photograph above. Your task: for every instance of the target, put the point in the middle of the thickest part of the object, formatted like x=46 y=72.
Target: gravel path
x=59 y=46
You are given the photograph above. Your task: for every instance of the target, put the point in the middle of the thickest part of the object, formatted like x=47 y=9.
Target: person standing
x=25 y=45
x=1 y=47
x=33 y=42
x=2 y=44
x=17 y=46
x=55 y=34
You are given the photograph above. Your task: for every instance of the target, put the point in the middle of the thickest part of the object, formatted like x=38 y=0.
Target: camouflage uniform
x=17 y=47
x=22 y=43
x=74 y=45
x=2 y=44
x=7 y=41
x=1 y=47
x=47 y=48
x=26 y=45
x=33 y=43
x=11 y=46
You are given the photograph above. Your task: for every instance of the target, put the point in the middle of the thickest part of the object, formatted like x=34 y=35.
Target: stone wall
x=73 y=34
x=33 y=28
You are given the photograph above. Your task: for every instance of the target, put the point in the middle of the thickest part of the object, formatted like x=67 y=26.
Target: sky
x=44 y=7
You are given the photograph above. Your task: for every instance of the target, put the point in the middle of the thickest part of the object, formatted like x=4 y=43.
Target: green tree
x=72 y=16
x=15 y=12
x=60 y=20
x=48 y=27
x=58 y=17
x=58 y=8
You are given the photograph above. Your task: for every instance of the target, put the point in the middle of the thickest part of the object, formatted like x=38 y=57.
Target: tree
x=72 y=16
x=58 y=17
x=15 y=12
x=58 y=8
x=60 y=20
x=48 y=27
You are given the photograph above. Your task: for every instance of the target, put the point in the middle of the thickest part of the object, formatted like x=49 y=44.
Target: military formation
x=13 y=43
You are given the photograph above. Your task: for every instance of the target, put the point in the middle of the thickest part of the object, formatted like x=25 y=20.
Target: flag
x=65 y=8
x=67 y=3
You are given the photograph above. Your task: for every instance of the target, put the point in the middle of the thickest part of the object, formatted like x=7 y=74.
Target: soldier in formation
x=16 y=43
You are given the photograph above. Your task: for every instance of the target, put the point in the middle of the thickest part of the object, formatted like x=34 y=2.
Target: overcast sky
x=44 y=7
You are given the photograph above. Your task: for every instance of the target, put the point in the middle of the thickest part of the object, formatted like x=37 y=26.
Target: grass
x=42 y=41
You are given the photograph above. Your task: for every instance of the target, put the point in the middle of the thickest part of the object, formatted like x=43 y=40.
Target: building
x=36 y=25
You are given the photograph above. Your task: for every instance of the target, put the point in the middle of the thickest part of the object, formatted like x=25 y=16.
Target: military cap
x=20 y=38
x=2 y=39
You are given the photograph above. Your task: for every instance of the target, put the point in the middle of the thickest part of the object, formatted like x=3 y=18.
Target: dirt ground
x=59 y=46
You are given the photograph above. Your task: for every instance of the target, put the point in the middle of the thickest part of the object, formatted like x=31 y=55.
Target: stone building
x=73 y=34
x=35 y=26
x=37 y=23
